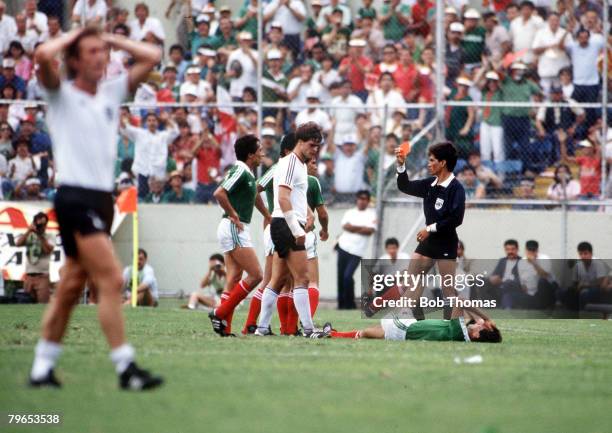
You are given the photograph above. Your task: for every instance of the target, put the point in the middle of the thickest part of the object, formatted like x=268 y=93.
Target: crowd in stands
x=352 y=58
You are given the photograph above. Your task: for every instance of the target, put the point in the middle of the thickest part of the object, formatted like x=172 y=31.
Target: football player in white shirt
x=83 y=118
x=287 y=230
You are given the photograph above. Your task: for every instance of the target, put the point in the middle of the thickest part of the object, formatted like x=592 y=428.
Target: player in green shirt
x=237 y=196
x=479 y=329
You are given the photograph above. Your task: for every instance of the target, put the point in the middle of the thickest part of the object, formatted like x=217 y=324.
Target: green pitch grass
x=547 y=376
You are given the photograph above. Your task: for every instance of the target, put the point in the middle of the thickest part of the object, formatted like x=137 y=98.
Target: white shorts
x=395 y=329
x=268 y=244
x=311 y=245
x=230 y=238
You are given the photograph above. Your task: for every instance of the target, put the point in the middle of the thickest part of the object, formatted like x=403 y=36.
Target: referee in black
x=444 y=205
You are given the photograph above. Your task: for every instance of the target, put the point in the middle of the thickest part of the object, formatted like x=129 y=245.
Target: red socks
x=292 y=317
x=226 y=310
x=349 y=334
x=313 y=297
x=254 y=309
x=282 y=305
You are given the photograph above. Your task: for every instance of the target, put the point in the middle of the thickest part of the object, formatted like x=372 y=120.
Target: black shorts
x=82 y=210
x=438 y=247
x=282 y=238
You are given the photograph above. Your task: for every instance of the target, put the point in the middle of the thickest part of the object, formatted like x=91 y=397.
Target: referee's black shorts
x=282 y=238
x=82 y=210
x=438 y=247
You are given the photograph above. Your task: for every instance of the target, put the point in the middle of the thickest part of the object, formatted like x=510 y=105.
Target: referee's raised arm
x=417 y=188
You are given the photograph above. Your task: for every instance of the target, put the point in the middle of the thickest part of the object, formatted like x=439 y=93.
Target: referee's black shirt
x=443 y=204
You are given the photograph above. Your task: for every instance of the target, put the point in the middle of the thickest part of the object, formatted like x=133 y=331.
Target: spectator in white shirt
x=150 y=148
x=299 y=86
x=349 y=166
x=345 y=108
x=392 y=251
x=8 y=27
x=314 y=114
x=36 y=20
x=144 y=24
x=194 y=85
x=551 y=57
x=28 y=37
x=325 y=17
x=54 y=29
x=358 y=225
x=87 y=12
x=564 y=187
x=497 y=39
x=537 y=282
x=291 y=14
x=523 y=30
x=385 y=94
x=244 y=75
x=23 y=165
x=147 y=290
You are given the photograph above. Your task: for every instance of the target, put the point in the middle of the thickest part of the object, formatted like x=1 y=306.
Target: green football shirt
x=313 y=194
x=434 y=330
x=266 y=182
x=239 y=182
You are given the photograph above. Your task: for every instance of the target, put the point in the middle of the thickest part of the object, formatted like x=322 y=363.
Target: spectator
x=22 y=166
x=491 y=131
x=454 y=54
x=299 y=86
x=392 y=251
x=274 y=82
x=590 y=166
x=313 y=113
x=590 y=281
x=394 y=17
x=564 y=186
x=349 y=166
x=407 y=76
x=355 y=67
x=484 y=174
x=198 y=36
x=291 y=14
x=35 y=20
x=89 y=12
x=25 y=35
x=170 y=88
x=566 y=80
x=195 y=86
x=358 y=224
x=212 y=285
x=460 y=119
x=584 y=52
x=345 y=108
x=247 y=21
x=9 y=77
x=177 y=57
x=151 y=147
x=368 y=31
x=473 y=42
x=515 y=120
x=6 y=140
x=8 y=27
x=474 y=189
x=327 y=178
x=39 y=247
x=335 y=37
x=208 y=156
x=523 y=30
x=385 y=94
x=497 y=40
x=177 y=194
x=29 y=190
x=144 y=26
x=325 y=18
x=225 y=37
x=505 y=277
x=147 y=292
x=182 y=146
x=551 y=58
x=328 y=76
x=242 y=66
x=537 y=285
x=156 y=190
x=421 y=18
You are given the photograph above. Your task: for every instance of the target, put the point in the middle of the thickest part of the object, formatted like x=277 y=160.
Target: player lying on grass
x=479 y=329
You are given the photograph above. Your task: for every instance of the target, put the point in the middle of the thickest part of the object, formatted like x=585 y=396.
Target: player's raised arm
x=46 y=55
x=145 y=55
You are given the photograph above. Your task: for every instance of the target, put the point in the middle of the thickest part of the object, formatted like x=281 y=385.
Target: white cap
x=207 y=52
x=276 y=25
x=518 y=65
x=246 y=36
x=457 y=27
x=269 y=119
x=32 y=181
x=349 y=138
x=202 y=19
x=274 y=55
x=471 y=14
x=492 y=75
x=209 y=8
x=312 y=93
x=450 y=11
x=268 y=132
x=357 y=43
x=585 y=143
x=8 y=63
x=193 y=70
x=464 y=81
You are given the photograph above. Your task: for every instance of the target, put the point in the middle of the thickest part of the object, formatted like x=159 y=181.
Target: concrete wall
x=179 y=239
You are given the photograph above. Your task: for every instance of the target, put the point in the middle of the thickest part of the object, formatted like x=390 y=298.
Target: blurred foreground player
x=83 y=120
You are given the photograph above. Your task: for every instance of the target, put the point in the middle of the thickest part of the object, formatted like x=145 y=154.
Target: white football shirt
x=291 y=171
x=84 y=130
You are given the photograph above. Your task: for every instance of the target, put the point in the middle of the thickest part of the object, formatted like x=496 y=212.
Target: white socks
x=122 y=356
x=302 y=305
x=268 y=300
x=45 y=357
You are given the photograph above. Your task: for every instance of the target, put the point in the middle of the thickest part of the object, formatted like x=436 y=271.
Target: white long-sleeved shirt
x=150 y=149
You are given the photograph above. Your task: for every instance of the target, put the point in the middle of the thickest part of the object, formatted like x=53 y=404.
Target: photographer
x=211 y=286
x=39 y=246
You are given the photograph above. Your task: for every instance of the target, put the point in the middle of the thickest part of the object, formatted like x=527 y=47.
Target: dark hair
x=9 y=86
x=392 y=136
x=363 y=192
x=512 y=242
x=583 y=30
x=474 y=152
x=527 y=3
x=143 y=252
x=386 y=74
x=511 y=5
x=141 y=5
x=391 y=241
x=245 y=146
x=123 y=27
x=41 y=215
x=22 y=139
x=468 y=168
x=532 y=245
x=390 y=45
x=445 y=151
x=308 y=131
x=488 y=15
x=566 y=69
x=487 y=336
x=73 y=50
x=250 y=90
x=217 y=256
x=149 y=114
x=585 y=246
x=569 y=172
x=287 y=144
x=177 y=47
x=126 y=165
x=16 y=44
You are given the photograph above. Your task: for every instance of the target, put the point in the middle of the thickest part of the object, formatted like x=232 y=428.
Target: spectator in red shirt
x=389 y=62
x=590 y=168
x=181 y=148
x=208 y=156
x=355 y=66
x=407 y=76
x=420 y=23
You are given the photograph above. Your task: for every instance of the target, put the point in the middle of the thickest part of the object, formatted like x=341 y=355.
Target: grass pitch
x=547 y=376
